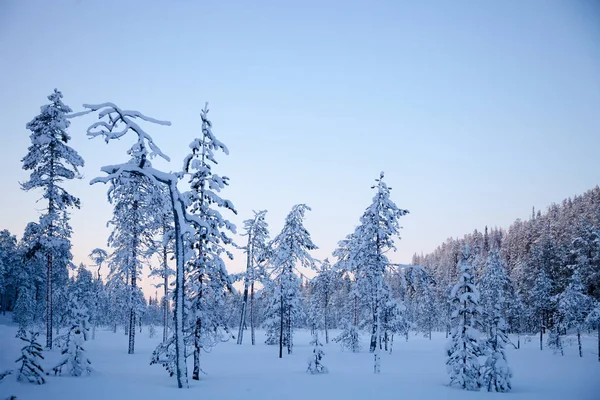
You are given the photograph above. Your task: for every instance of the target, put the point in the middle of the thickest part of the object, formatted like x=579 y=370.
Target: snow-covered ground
x=415 y=370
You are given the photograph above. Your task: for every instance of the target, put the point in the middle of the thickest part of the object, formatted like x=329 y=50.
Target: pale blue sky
x=476 y=110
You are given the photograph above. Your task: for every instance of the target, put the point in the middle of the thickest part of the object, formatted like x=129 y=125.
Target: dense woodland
x=538 y=278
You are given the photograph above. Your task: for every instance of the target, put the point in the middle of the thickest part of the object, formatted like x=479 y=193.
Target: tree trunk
x=49 y=303
x=252 y=314
x=289 y=329
x=180 y=364
x=197 y=345
x=133 y=293
x=326 y=317
x=281 y=326
x=240 y=337
x=166 y=292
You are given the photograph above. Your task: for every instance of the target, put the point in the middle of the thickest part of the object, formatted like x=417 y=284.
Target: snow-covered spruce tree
x=10 y=263
x=51 y=161
x=31 y=354
x=207 y=276
x=135 y=199
x=573 y=307
x=426 y=313
x=373 y=238
x=74 y=359
x=257 y=231
x=464 y=347
x=164 y=247
x=98 y=256
x=349 y=337
x=315 y=365
x=119 y=123
x=290 y=249
x=495 y=287
x=541 y=301
x=323 y=285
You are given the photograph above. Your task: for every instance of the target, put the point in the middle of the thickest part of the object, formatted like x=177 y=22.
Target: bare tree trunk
x=166 y=292
x=133 y=293
x=541 y=332
x=579 y=342
x=289 y=329
x=197 y=345
x=326 y=317
x=49 y=303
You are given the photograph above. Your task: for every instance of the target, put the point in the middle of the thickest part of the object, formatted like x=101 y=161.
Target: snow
x=415 y=370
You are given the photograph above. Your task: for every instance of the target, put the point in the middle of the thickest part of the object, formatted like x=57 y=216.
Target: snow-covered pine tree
x=120 y=122
x=74 y=355
x=464 y=347
x=495 y=287
x=208 y=277
x=290 y=249
x=541 y=298
x=315 y=365
x=257 y=231
x=349 y=337
x=135 y=199
x=573 y=307
x=51 y=162
x=323 y=284
x=31 y=354
x=98 y=256
x=373 y=238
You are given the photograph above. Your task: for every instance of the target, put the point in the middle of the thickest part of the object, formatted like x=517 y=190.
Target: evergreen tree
x=256 y=252
x=31 y=354
x=315 y=365
x=74 y=355
x=540 y=298
x=573 y=306
x=51 y=161
x=465 y=348
x=290 y=249
x=208 y=277
x=322 y=288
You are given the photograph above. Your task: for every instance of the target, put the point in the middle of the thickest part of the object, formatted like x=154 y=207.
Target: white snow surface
x=416 y=370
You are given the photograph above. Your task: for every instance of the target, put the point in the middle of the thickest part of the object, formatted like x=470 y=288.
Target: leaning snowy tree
x=373 y=238
x=290 y=249
x=257 y=231
x=51 y=162
x=120 y=122
x=207 y=276
x=464 y=347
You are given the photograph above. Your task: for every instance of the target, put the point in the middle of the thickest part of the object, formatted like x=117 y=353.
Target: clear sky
x=475 y=110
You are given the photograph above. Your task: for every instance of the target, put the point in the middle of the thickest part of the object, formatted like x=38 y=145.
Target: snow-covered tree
x=290 y=249
x=51 y=162
x=573 y=307
x=315 y=365
x=495 y=288
x=208 y=277
x=496 y=373
x=464 y=347
x=323 y=284
x=373 y=238
x=74 y=358
x=257 y=231
x=541 y=301
x=98 y=256
x=31 y=354
x=119 y=123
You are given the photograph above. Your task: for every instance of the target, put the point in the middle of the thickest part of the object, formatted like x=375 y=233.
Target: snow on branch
x=118 y=124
